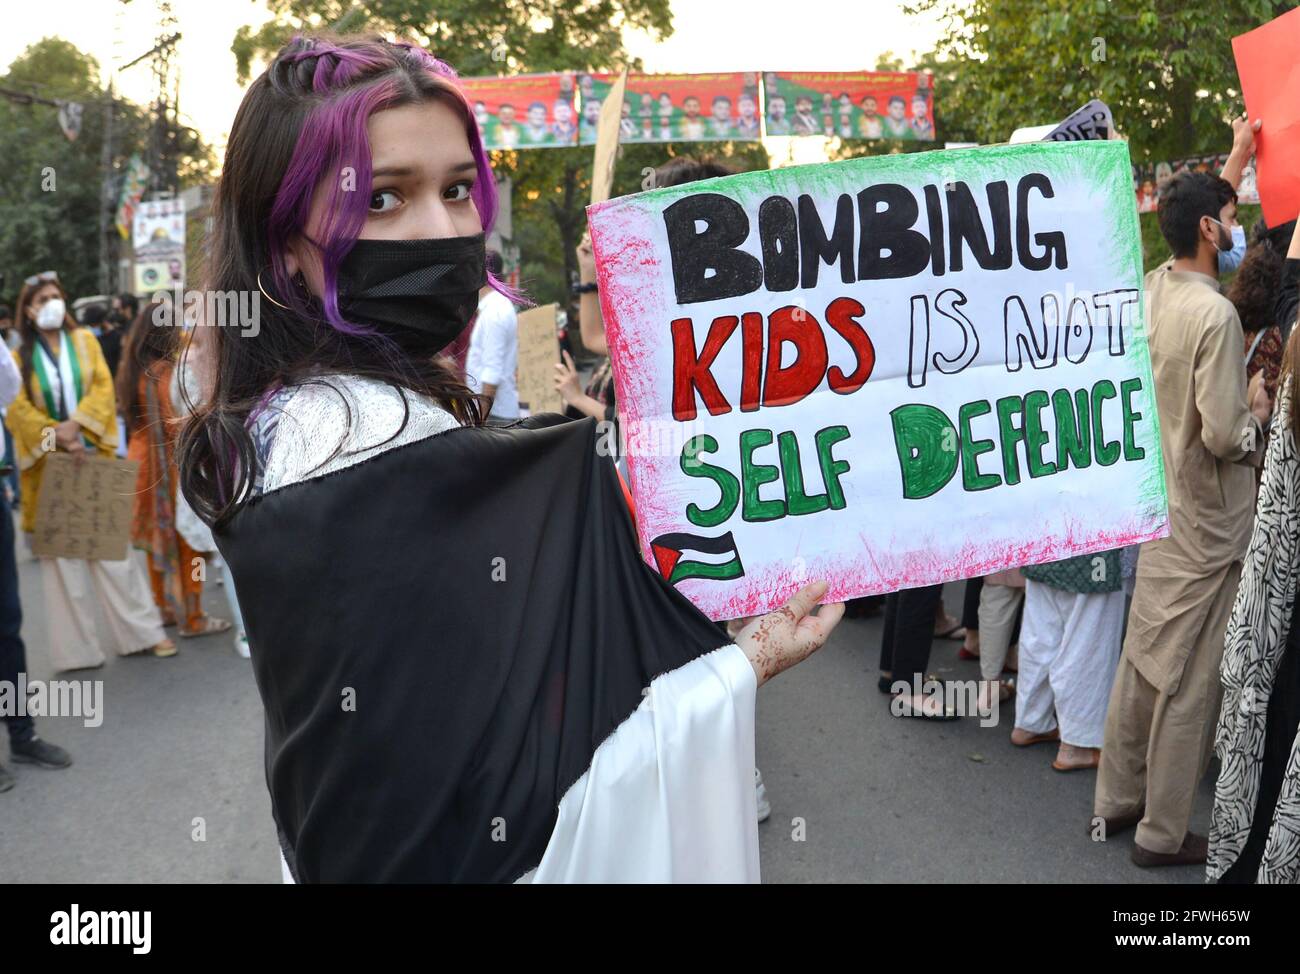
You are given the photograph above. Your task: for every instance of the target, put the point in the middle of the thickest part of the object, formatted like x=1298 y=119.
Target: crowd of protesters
x=1135 y=663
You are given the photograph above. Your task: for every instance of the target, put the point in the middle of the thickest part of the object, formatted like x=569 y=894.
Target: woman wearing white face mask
x=66 y=403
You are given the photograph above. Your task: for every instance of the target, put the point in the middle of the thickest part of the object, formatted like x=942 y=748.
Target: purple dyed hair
x=353 y=83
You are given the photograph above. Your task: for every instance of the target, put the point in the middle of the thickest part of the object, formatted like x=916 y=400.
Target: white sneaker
x=764 y=807
x=241 y=646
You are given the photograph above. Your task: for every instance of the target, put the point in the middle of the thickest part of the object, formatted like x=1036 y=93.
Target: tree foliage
x=477 y=37
x=1164 y=67
x=51 y=190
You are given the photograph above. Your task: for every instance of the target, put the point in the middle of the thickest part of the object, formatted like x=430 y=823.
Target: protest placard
x=84 y=507
x=885 y=372
x=539 y=351
x=1268 y=64
x=1092 y=121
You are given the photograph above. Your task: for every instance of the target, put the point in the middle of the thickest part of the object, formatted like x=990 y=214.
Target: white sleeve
x=11 y=382
x=496 y=346
x=669 y=796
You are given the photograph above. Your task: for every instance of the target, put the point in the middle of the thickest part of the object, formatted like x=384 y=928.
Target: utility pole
x=163 y=142
x=106 y=193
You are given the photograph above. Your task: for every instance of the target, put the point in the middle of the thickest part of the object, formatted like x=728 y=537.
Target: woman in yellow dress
x=67 y=404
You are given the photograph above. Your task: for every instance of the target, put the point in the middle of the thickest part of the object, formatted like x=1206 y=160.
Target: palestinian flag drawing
x=680 y=556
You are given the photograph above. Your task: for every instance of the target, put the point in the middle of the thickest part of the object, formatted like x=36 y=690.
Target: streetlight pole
x=106 y=193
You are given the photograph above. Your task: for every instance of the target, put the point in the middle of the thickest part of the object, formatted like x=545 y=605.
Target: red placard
x=1268 y=64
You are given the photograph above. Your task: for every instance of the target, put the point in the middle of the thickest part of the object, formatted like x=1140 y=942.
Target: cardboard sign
x=539 y=350
x=84 y=508
x=602 y=167
x=1268 y=64
x=886 y=372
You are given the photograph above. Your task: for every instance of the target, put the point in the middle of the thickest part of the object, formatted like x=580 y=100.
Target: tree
x=1165 y=68
x=477 y=37
x=51 y=190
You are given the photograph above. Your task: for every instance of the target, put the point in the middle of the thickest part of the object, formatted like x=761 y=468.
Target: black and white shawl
x=1254 y=645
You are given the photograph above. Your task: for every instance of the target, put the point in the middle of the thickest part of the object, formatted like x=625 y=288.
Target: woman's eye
x=384 y=201
x=459 y=192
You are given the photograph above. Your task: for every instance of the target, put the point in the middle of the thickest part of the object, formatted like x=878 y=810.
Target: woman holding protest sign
x=468 y=672
x=598 y=399
x=66 y=404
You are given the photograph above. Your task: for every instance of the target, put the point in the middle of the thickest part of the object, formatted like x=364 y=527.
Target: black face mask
x=420 y=293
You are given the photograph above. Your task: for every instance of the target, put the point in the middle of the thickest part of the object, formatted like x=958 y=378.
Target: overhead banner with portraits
x=850 y=104
x=819 y=366
x=526 y=111
x=676 y=107
x=548 y=110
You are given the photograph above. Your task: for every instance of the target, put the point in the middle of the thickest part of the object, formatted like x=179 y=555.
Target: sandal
x=948 y=713
x=1006 y=689
x=211 y=626
x=164 y=649
x=1054 y=735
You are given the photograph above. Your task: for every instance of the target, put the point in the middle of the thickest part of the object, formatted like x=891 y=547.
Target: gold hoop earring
x=267 y=296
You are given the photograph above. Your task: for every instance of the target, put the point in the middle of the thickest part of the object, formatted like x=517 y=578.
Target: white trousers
x=997 y=614
x=73 y=587
x=1069 y=649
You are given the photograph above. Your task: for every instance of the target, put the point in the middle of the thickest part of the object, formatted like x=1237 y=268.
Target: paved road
x=870 y=798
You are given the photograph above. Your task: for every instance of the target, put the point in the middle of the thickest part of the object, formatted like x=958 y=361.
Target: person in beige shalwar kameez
x=1165 y=699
